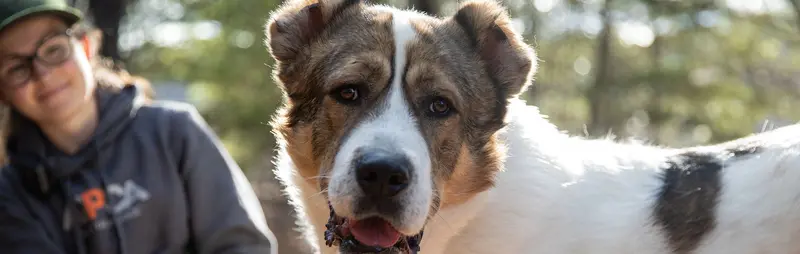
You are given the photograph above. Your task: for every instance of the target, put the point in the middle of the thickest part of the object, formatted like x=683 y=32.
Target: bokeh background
x=672 y=72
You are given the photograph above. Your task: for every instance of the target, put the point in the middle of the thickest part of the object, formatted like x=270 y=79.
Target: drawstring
x=78 y=236
x=117 y=224
x=67 y=220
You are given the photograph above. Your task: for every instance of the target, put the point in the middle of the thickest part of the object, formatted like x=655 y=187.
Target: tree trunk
x=107 y=16
x=428 y=6
x=796 y=5
x=600 y=123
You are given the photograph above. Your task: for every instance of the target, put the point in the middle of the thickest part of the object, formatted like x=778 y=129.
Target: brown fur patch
x=352 y=49
x=474 y=60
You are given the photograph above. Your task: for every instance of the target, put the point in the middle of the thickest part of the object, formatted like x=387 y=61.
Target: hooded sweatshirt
x=153 y=178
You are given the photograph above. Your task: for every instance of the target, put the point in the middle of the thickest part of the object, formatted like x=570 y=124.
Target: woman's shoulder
x=169 y=107
x=172 y=112
x=177 y=120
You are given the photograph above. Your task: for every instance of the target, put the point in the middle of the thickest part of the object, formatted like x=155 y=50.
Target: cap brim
x=69 y=14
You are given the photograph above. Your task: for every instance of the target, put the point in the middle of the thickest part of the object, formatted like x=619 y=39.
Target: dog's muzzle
x=383 y=177
x=338 y=234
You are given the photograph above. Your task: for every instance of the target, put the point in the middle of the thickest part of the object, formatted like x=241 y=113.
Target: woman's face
x=44 y=74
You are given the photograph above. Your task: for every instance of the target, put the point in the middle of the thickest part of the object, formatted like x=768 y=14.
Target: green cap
x=13 y=10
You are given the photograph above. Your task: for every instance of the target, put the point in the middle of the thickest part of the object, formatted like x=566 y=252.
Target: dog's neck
x=522 y=119
x=536 y=167
x=541 y=160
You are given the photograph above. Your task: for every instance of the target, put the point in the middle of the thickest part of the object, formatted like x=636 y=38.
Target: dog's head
x=392 y=113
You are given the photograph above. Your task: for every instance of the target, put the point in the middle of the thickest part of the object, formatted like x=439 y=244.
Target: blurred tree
x=107 y=15
x=678 y=72
x=597 y=95
x=796 y=5
x=427 y=6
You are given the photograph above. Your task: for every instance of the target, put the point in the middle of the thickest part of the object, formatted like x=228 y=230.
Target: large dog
x=396 y=123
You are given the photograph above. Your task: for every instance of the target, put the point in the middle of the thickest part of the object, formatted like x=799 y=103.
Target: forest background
x=671 y=72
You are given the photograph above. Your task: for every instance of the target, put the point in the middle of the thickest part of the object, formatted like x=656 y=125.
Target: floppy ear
x=290 y=31
x=297 y=22
x=510 y=62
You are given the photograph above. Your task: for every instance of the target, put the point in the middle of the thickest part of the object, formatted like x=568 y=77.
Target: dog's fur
x=492 y=175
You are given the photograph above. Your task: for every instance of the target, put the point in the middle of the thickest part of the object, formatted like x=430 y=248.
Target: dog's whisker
x=445 y=222
x=318 y=193
x=318 y=177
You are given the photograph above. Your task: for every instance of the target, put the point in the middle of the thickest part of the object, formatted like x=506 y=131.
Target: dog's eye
x=439 y=107
x=347 y=94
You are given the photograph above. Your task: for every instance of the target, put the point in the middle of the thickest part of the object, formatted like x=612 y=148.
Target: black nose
x=382 y=174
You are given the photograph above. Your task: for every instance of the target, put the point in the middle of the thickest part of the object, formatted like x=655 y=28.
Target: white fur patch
x=562 y=194
x=394 y=126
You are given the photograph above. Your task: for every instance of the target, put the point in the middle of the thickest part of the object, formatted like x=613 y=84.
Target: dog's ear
x=297 y=22
x=509 y=61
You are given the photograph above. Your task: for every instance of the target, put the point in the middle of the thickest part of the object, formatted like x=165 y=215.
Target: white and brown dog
x=396 y=123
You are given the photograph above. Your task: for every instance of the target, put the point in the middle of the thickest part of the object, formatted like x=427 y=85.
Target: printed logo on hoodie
x=128 y=196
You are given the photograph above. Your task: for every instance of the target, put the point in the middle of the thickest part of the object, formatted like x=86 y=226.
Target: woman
x=94 y=167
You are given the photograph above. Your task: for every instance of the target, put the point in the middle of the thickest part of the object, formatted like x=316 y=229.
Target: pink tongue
x=374 y=232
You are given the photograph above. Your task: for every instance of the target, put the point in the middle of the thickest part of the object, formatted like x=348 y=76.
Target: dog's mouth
x=371 y=235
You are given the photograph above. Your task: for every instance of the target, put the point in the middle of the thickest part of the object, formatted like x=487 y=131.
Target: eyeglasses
x=17 y=70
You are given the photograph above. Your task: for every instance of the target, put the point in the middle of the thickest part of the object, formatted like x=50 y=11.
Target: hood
x=28 y=147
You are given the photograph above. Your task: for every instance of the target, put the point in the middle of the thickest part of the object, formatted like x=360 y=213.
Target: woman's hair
x=108 y=74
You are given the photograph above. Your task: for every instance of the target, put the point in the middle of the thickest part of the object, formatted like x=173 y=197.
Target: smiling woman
x=95 y=166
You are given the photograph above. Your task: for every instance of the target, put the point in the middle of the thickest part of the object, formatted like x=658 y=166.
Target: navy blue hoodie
x=154 y=178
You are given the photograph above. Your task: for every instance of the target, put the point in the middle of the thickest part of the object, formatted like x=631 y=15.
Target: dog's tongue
x=374 y=232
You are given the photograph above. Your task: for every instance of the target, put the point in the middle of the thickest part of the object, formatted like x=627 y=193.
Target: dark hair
x=108 y=74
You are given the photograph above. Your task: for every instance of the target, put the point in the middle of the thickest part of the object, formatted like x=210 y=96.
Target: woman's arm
x=225 y=213
x=20 y=232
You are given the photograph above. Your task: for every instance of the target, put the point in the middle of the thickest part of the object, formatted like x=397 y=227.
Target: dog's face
x=392 y=113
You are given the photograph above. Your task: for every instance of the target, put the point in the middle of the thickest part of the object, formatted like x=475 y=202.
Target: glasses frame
x=30 y=60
